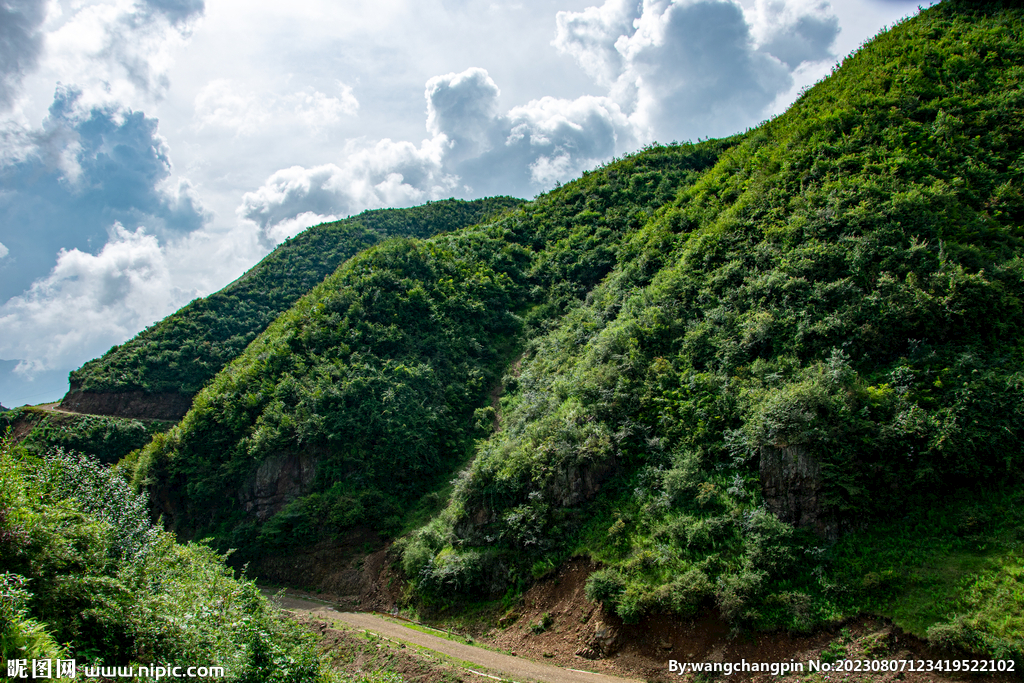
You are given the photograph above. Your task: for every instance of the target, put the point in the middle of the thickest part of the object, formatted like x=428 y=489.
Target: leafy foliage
x=183 y=351
x=107 y=438
x=843 y=287
x=378 y=375
x=81 y=564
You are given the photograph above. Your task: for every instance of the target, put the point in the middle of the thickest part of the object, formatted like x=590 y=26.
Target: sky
x=153 y=150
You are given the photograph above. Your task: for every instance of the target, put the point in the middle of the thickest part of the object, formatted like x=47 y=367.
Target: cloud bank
x=21 y=43
x=89 y=302
x=671 y=70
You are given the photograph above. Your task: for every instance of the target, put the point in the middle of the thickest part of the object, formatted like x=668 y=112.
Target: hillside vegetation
x=378 y=379
x=777 y=375
x=183 y=351
x=818 y=340
x=108 y=439
x=85 y=575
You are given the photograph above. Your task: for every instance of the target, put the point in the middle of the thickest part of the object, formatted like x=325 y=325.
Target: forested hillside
x=108 y=439
x=368 y=392
x=178 y=355
x=777 y=375
x=819 y=336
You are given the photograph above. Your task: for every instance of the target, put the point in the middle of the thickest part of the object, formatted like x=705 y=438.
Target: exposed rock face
x=791 y=486
x=134 y=404
x=278 y=481
x=602 y=642
x=567 y=488
x=578 y=484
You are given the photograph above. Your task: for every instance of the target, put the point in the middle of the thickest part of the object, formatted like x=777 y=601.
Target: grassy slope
x=183 y=351
x=383 y=371
x=108 y=439
x=846 y=281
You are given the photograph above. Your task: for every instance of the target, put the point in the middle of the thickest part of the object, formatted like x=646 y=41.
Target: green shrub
x=543 y=624
x=605 y=586
x=83 y=565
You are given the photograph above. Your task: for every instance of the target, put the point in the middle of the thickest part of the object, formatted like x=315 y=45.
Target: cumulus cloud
x=88 y=302
x=3 y=250
x=463 y=108
x=84 y=170
x=385 y=174
x=121 y=52
x=475 y=149
x=794 y=31
x=224 y=105
x=689 y=68
x=21 y=43
x=590 y=37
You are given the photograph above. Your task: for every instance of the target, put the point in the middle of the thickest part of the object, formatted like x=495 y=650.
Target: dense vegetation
x=108 y=439
x=842 y=291
x=183 y=351
x=382 y=373
x=777 y=375
x=85 y=575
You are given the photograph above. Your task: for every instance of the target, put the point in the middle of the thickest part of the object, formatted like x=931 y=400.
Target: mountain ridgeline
x=777 y=375
x=156 y=373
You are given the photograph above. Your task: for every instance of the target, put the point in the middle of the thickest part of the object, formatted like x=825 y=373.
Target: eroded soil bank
x=579 y=635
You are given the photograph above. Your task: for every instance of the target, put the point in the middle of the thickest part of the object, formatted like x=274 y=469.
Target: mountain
x=156 y=373
x=368 y=392
x=777 y=375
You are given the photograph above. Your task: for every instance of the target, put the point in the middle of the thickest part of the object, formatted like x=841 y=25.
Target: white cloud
x=473 y=144
x=689 y=68
x=568 y=136
x=463 y=107
x=291 y=227
x=794 y=31
x=90 y=302
x=121 y=52
x=21 y=42
x=87 y=302
x=590 y=37
x=223 y=104
x=387 y=173
x=3 y=250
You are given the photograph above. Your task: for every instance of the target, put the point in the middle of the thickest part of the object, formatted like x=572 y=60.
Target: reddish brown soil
x=643 y=650
x=24 y=424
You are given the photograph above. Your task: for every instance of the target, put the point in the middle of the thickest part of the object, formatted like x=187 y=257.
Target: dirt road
x=500 y=665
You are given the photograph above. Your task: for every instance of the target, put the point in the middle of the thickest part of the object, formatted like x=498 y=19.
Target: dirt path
x=503 y=666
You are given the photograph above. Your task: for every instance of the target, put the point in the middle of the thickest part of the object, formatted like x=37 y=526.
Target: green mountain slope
x=181 y=353
x=777 y=375
x=366 y=394
x=822 y=332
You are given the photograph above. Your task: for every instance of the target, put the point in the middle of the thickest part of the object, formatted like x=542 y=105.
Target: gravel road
x=500 y=665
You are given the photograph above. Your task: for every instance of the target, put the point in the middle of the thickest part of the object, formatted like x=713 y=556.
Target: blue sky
x=152 y=150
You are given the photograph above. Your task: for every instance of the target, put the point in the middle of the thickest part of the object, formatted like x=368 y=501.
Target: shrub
x=605 y=586
x=543 y=624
